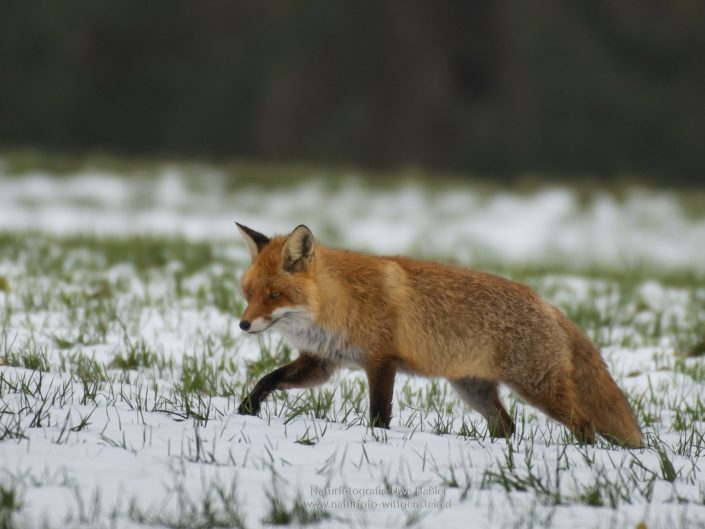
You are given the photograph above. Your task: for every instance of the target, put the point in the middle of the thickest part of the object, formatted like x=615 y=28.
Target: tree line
x=598 y=87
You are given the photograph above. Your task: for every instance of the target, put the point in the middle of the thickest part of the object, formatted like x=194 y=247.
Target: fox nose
x=244 y=325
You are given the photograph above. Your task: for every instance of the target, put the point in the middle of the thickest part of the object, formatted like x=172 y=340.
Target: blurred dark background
x=598 y=87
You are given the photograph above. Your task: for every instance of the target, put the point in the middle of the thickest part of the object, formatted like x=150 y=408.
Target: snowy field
x=122 y=365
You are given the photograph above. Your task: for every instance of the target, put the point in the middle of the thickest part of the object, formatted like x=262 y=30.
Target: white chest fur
x=300 y=331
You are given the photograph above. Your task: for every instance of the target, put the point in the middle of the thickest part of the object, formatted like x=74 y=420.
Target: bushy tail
x=598 y=395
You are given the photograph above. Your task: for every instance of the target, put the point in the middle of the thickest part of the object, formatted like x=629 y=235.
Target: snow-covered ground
x=640 y=227
x=123 y=370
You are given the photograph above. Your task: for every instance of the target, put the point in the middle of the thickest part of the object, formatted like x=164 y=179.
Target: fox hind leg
x=482 y=395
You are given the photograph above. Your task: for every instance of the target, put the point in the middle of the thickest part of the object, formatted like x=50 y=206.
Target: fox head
x=278 y=286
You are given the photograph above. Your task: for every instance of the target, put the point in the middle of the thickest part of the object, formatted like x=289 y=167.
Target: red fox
x=389 y=314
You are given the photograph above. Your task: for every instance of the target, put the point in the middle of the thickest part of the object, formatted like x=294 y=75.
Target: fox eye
x=273 y=294
x=248 y=292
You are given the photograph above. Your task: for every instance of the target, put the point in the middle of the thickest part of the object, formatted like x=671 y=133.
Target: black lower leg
x=303 y=372
x=250 y=405
x=380 y=377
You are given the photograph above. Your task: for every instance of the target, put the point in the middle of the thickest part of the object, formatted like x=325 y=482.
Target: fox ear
x=298 y=249
x=255 y=240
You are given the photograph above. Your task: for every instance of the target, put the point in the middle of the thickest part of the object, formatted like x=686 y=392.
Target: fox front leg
x=304 y=372
x=380 y=378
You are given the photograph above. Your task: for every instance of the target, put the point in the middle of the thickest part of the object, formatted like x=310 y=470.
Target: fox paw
x=247 y=408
